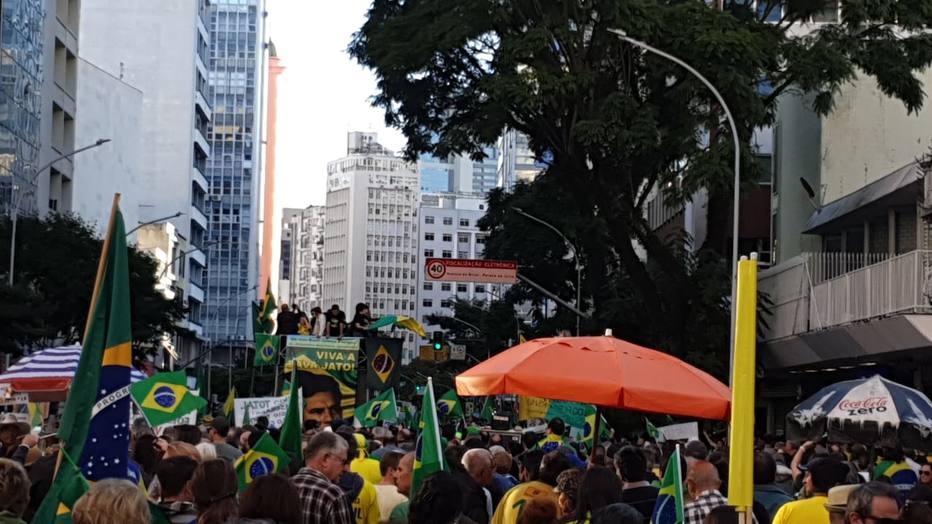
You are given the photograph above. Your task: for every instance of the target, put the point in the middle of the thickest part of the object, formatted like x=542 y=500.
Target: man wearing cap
x=837 y=502
x=821 y=475
x=366 y=467
x=15 y=438
x=217 y=432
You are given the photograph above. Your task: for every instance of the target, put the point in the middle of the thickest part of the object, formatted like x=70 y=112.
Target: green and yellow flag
x=286 y=388
x=449 y=405
x=267 y=348
x=230 y=403
x=668 y=509
x=589 y=429
x=264 y=318
x=36 y=416
x=264 y=458
x=292 y=430
x=382 y=407
x=487 y=413
x=98 y=403
x=165 y=397
x=428 y=457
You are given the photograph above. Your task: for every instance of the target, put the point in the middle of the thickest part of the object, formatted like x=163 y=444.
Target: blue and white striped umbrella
x=49 y=370
x=869 y=411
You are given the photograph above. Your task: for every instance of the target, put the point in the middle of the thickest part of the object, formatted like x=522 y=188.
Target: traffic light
x=438 y=340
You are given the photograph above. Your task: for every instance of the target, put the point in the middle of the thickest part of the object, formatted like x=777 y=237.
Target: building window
x=446 y=303
x=480 y=288
x=445 y=286
x=462 y=288
x=448 y=221
x=480 y=240
x=427 y=302
x=462 y=238
x=428 y=236
x=448 y=238
x=428 y=219
x=462 y=254
x=428 y=253
x=447 y=254
x=464 y=222
x=428 y=286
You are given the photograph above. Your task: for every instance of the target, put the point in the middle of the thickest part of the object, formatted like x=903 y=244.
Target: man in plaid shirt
x=703 y=482
x=322 y=501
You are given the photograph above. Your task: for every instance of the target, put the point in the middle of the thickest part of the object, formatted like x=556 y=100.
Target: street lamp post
x=573 y=249
x=737 y=193
x=18 y=197
x=155 y=221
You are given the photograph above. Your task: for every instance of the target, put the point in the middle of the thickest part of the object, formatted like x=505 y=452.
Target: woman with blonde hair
x=111 y=501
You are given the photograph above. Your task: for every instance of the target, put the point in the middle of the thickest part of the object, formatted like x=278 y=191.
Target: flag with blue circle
x=267 y=347
x=449 y=405
x=264 y=458
x=165 y=397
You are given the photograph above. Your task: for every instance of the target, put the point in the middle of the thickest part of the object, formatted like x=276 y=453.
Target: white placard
x=190 y=419
x=457 y=352
x=15 y=399
x=272 y=407
x=685 y=431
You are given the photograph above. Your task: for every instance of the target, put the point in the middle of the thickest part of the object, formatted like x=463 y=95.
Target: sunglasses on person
x=925 y=472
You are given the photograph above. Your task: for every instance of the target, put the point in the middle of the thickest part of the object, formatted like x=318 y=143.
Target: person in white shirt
x=392 y=466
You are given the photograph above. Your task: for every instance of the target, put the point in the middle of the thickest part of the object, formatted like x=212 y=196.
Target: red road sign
x=463 y=270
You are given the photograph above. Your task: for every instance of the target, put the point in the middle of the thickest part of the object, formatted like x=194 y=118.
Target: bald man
x=703 y=482
x=478 y=463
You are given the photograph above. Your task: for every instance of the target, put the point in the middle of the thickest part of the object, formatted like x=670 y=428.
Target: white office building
x=516 y=161
x=153 y=55
x=449 y=229
x=302 y=265
x=370 y=235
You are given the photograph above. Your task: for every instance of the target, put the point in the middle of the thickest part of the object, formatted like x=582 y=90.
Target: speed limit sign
x=436 y=269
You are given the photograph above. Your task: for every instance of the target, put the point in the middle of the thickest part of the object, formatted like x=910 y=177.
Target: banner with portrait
x=327 y=373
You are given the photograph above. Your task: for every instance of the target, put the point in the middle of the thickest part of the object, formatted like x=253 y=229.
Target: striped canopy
x=48 y=371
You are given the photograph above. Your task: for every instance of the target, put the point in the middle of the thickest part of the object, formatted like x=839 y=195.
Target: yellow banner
x=532 y=407
x=741 y=462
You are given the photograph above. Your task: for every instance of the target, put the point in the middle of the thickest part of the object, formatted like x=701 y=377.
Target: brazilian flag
x=264 y=458
x=164 y=397
x=428 y=458
x=487 y=413
x=94 y=424
x=589 y=428
x=669 y=506
x=267 y=348
x=266 y=308
x=382 y=407
x=449 y=405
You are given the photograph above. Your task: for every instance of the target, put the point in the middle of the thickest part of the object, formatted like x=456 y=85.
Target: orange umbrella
x=604 y=371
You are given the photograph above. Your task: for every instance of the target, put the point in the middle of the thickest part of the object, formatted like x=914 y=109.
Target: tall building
x=284 y=259
x=233 y=170
x=303 y=263
x=268 y=190
x=21 y=24
x=117 y=58
x=459 y=174
x=449 y=229
x=370 y=236
x=516 y=161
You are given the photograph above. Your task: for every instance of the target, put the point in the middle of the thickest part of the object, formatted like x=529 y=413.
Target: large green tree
x=612 y=122
x=56 y=264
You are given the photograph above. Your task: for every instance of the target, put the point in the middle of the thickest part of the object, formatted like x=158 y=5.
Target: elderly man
x=703 y=482
x=872 y=502
x=322 y=501
x=478 y=463
x=837 y=503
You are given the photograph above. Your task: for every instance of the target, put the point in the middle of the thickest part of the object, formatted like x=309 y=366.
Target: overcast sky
x=323 y=94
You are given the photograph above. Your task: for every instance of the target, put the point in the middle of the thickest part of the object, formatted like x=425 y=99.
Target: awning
x=894 y=189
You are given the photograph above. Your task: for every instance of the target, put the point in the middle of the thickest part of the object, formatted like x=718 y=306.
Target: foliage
x=56 y=265
x=613 y=122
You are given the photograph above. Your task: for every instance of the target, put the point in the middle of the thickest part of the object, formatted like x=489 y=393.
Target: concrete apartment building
x=302 y=248
x=154 y=56
x=851 y=289
x=371 y=231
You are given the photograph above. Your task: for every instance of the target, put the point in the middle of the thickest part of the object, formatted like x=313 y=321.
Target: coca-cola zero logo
x=865 y=406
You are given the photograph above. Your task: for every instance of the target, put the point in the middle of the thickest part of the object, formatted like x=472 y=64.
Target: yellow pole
x=741 y=461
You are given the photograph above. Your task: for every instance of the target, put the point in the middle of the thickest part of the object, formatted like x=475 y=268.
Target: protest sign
x=327 y=373
x=685 y=431
x=573 y=413
x=272 y=407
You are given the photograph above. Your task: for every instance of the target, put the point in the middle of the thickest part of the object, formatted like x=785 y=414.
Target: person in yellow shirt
x=366 y=467
x=539 y=474
x=359 y=491
x=822 y=474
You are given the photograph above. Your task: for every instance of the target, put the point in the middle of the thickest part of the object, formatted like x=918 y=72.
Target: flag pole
x=278 y=357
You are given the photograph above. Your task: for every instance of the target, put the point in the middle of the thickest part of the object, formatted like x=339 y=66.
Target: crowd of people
x=332 y=323
x=348 y=475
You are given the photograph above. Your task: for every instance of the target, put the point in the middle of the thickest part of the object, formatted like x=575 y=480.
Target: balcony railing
x=800 y=302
